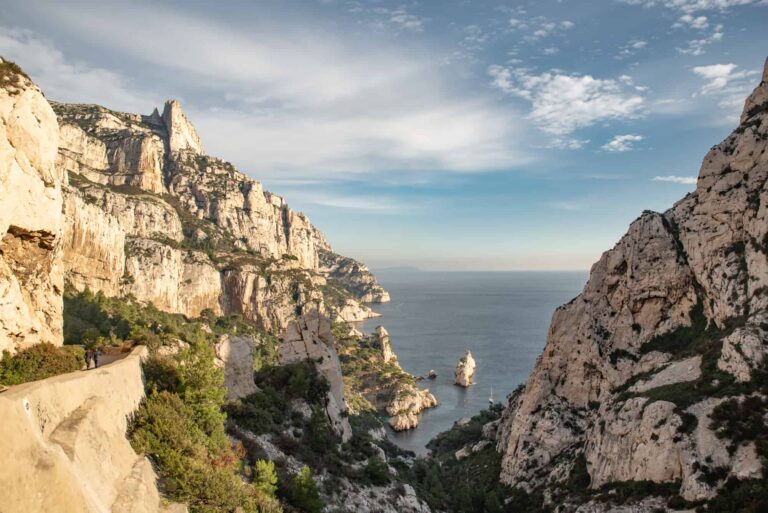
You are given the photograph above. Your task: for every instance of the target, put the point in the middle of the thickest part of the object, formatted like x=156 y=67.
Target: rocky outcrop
x=375 y=380
x=66 y=437
x=181 y=134
x=352 y=274
x=31 y=279
x=381 y=340
x=352 y=311
x=465 y=370
x=405 y=407
x=111 y=148
x=235 y=356
x=340 y=492
x=310 y=339
x=669 y=317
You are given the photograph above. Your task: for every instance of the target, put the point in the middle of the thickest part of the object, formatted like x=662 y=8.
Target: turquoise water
x=502 y=317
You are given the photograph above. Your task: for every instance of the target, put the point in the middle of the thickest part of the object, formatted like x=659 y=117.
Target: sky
x=441 y=134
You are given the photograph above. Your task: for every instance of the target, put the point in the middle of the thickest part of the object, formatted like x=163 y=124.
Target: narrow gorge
x=241 y=385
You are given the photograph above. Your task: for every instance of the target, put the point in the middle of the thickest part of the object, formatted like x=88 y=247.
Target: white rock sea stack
x=465 y=370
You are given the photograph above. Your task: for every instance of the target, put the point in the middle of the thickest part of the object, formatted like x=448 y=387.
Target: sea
x=435 y=316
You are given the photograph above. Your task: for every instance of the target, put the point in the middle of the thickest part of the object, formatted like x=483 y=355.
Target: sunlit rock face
x=31 y=279
x=464 y=373
x=703 y=264
x=149 y=213
x=310 y=339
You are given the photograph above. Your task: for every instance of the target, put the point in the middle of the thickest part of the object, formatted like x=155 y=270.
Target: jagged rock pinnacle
x=758 y=100
x=765 y=70
x=181 y=134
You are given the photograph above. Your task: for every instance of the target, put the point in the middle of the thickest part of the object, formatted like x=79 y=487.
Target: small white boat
x=490 y=398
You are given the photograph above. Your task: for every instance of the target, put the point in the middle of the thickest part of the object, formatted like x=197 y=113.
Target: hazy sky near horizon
x=450 y=134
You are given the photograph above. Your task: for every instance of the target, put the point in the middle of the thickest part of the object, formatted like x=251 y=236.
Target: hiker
x=96 y=353
x=88 y=359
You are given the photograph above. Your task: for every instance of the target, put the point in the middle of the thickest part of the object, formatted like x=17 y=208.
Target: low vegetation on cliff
x=370 y=382
x=39 y=362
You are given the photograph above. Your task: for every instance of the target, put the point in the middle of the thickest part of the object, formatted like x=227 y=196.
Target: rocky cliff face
x=148 y=213
x=310 y=338
x=671 y=323
x=31 y=280
x=352 y=274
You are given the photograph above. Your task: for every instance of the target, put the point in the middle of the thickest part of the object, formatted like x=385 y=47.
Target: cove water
x=434 y=317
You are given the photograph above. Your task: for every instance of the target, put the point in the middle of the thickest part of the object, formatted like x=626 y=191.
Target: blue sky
x=439 y=134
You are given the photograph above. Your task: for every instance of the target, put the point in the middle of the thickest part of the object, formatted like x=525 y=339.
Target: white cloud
x=622 y=143
x=403 y=19
x=567 y=143
x=631 y=48
x=717 y=76
x=289 y=98
x=727 y=85
x=363 y=203
x=683 y=180
x=691 y=6
x=539 y=27
x=516 y=23
x=698 y=46
x=561 y=104
x=691 y=21
x=71 y=81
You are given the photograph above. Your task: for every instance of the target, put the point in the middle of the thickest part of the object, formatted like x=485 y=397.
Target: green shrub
x=265 y=477
x=39 y=362
x=376 y=471
x=165 y=429
x=742 y=421
x=301 y=492
x=739 y=496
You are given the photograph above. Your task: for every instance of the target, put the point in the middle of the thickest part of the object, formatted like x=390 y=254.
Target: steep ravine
x=651 y=393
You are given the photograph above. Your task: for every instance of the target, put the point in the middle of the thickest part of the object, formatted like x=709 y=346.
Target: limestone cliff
x=310 y=338
x=671 y=323
x=148 y=213
x=31 y=280
x=353 y=275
